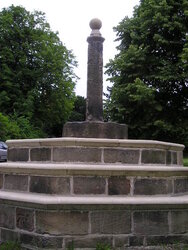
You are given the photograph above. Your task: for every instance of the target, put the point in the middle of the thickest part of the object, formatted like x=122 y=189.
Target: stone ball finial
x=95 y=24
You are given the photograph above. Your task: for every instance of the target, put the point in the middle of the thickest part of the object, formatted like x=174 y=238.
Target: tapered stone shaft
x=94 y=127
x=94 y=106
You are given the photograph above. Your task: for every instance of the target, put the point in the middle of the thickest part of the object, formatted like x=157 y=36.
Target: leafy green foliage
x=10 y=246
x=36 y=71
x=79 y=110
x=150 y=73
x=103 y=247
x=17 y=127
x=8 y=129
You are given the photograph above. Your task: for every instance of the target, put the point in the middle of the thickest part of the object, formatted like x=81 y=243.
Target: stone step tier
x=59 y=222
x=65 y=192
x=93 y=179
x=95 y=151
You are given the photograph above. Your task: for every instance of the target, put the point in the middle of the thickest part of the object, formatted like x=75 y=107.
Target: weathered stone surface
x=95 y=130
x=121 y=155
x=41 y=241
x=179 y=222
x=1 y=181
x=111 y=222
x=174 y=158
x=118 y=185
x=87 y=241
x=9 y=235
x=181 y=185
x=168 y=158
x=180 y=158
x=76 y=154
x=18 y=154
x=152 y=186
x=153 y=157
x=89 y=185
x=40 y=154
x=136 y=240
x=50 y=185
x=150 y=222
x=166 y=240
x=16 y=182
x=59 y=223
x=121 y=241
x=94 y=104
x=7 y=217
x=25 y=219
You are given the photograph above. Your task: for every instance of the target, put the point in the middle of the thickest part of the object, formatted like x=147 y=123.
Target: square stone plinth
x=95 y=129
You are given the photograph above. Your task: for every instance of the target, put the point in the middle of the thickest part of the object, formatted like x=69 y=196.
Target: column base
x=110 y=130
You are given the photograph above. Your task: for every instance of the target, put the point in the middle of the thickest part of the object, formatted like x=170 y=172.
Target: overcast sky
x=71 y=19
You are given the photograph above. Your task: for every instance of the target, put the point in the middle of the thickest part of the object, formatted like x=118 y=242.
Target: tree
x=79 y=110
x=36 y=71
x=151 y=71
x=13 y=127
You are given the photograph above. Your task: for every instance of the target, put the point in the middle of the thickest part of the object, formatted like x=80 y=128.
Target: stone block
x=181 y=185
x=62 y=223
x=77 y=154
x=111 y=222
x=153 y=157
x=166 y=240
x=136 y=240
x=16 y=182
x=87 y=241
x=9 y=235
x=174 y=158
x=121 y=241
x=40 y=154
x=18 y=154
x=1 y=181
x=49 y=185
x=180 y=158
x=44 y=242
x=110 y=130
x=128 y=156
x=179 y=222
x=152 y=186
x=89 y=185
x=25 y=219
x=7 y=217
x=118 y=185
x=150 y=222
x=168 y=158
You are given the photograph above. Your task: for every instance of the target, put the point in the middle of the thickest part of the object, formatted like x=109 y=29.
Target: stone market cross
x=94 y=127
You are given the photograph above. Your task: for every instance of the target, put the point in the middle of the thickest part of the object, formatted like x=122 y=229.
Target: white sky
x=71 y=19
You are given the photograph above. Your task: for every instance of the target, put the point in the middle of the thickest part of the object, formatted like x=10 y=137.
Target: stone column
x=94 y=106
x=94 y=127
